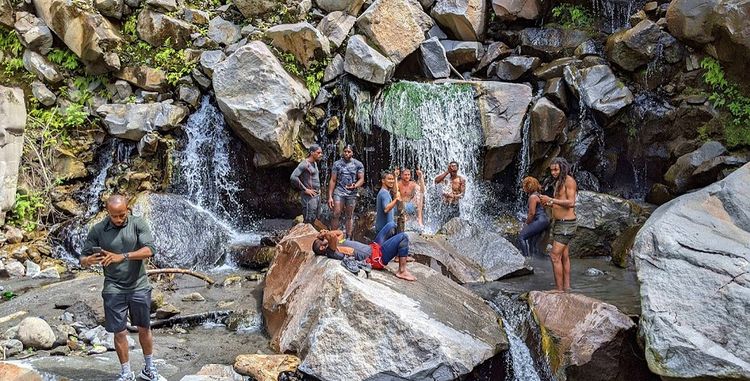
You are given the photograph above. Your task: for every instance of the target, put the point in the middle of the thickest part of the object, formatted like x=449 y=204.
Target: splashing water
x=431 y=125
x=617 y=13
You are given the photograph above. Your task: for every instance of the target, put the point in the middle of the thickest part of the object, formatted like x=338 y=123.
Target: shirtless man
x=412 y=200
x=454 y=189
x=564 y=215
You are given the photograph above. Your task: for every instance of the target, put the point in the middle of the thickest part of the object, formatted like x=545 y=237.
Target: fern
x=726 y=95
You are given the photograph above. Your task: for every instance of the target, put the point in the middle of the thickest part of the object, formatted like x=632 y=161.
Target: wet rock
x=364 y=62
x=32 y=269
x=261 y=102
x=555 y=90
x=312 y=306
x=659 y=194
x=599 y=88
x=18 y=372
x=464 y=19
x=433 y=60
x=336 y=26
x=593 y=272
x=265 y=367
x=691 y=259
x=463 y=53
x=133 y=121
x=547 y=121
x=691 y=20
x=99 y=337
x=587 y=339
x=334 y=69
x=62 y=350
x=189 y=94
x=680 y=175
x=588 y=48
x=555 y=68
x=144 y=77
x=155 y=28
x=223 y=32
x=88 y=34
x=395 y=27
x=254 y=257
x=43 y=94
x=38 y=65
x=67 y=166
x=351 y=7
x=167 y=311
x=300 y=39
x=510 y=10
x=495 y=51
x=35 y=333
x=210 y=59
x=12 y=348
x=514 y=67
x=84 y=314
x=550 y=43
x=637 y=46
x=33 y=32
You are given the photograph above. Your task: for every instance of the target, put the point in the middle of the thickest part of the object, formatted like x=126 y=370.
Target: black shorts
x=116 y=306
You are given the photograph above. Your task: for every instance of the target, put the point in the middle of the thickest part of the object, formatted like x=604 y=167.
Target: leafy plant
x=571 y=16
x=726 y=95
x=312 y=75
x=11 y=46
x=8 y=295
x=64 y=58
x=26 y=211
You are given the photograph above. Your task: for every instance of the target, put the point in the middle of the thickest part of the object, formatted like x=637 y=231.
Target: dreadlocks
x=559 y=183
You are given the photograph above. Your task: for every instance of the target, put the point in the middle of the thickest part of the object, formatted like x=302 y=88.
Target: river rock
x=12 y=348
x=99 y=337
x=680 y=176
x=88 y=34
x=315 y=308
x=133 y=121
x=15 y=269
x=48 y=273
x=13 y=107
x=144 y=77
x=43 y=94
x=463 y=53
x=35 y=333
x=336 y=26
x=433 y=60
x=468 y=254
x=176 y=223
x=364 y=62
x=18 y=372
x=261 y=102
x=265 y=367
x=155 y=28
x=586 y=339
x=32 y=269
x=38 y=65
x=513 y=67
x=599 y=88
x=640 y=44
x=692 y=259
x=223 y=32
x=465 y=19
x=510 y=10
x=550 y=43
x=351 y=7
x=395 y=27
x=301 y=39
x=547 y=121
x=33 y=32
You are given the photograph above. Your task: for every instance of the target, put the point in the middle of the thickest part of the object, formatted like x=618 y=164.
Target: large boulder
x=639 y=45
x=13 y=109
x=261 y=102
x=144 y=77
x=35 y=333
x=88 y=34
x=336 y=26
x=468 y=253
x=464 y=19
x=682 y=175
x=18 y=371
x=364 y=62
x=586 y=339
x=177 y=224
x=317 y=309
x=514 y=67
x=396 y=27
x=433 y=60
x=692 y=259
x=300 y=39
x=155 y=28
x=598 y=88
x=550 y=43
x=40 y=66
x=133 y=121
x=547 y=121
x=510 y=10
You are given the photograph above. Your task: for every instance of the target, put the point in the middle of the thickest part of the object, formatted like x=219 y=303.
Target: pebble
x=594 y=272
x=194 y=297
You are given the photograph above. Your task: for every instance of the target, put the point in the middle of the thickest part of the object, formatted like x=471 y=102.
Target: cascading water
x=431 y=125
x=615 y=12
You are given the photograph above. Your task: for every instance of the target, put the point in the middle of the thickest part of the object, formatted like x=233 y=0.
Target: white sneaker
x=151 y=374
x=126 y=377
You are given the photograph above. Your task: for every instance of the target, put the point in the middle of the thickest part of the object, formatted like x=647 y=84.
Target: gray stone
x=210 y=59
x=35 y=333
x=189 y=94
x=691 y=259
x=99 y=337
x=196 y=16
x=510 y=10
x=336 y=26
x=38 y=65
x=223 y=32
x=253 y=8
x=144 y=77
x=680 y=175
x=233 y=48
x=43 y=94
x=593 y=272
x=201 y=79
x=163 y=6
x=121 y=91
x=351 y=7
x=300 y=39
x=433 y=60
x=547 y=121
x=550 y=43
x=13 y=234
x=110 y=8
x=15 y=269
x=193 y=297
x=261 y=102
x=637 y=46
x=132 y=121
x=599 y=88
x=167 y=311
x=148 y=144
x=555 y=68
x=514 y=67
x=248 y=30
x=495 y=51
x=48 y=273
x=588 y=48
x=13 y=109
x=316 y=309
x=465 y=19
x=334 y=69
x=32 y=269
x=35 y=35
x=395 y=27
x=463 y=53
x=6 y=13
x=12 y=347
x=155 y=28
x=435 y=31
x=364 y=62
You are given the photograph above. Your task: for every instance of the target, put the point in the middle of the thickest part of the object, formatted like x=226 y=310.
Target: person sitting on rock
x=332 y=244
x=536 y=219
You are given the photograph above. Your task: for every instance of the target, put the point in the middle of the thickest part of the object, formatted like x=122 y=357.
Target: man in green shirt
x=121 y=243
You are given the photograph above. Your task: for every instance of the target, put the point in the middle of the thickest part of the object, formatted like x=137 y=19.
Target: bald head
x=116 y=200
x=117 y=207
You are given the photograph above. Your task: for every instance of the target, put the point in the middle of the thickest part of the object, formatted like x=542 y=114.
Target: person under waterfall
x=454 y=189
x=122 y=243
x=564 y=216
x=536 y=220
x=306 y=179
x=412 y=194
x=385 y=203
x=347 y=175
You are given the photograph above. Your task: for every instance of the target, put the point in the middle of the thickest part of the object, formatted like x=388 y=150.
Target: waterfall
x=431 y=125
x=616 y=12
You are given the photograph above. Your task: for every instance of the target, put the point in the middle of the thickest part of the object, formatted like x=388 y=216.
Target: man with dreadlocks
x=564 y=214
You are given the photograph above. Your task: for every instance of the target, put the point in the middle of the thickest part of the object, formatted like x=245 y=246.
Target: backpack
x=376 y=258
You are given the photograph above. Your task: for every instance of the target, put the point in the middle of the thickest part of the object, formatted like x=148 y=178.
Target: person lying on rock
x=332 y=244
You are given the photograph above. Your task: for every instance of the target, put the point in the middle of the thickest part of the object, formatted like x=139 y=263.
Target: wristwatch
x=126 y=256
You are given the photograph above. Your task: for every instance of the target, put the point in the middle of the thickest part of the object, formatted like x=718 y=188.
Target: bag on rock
x=376 y=258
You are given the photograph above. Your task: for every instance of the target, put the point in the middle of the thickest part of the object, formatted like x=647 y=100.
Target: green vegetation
x=312 y=76
x=64 y=58
x=27 y=211
x=726 y=96
x=10 y=46
x=571 y=16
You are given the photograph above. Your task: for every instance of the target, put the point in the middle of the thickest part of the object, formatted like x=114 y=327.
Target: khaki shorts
x=564 y=230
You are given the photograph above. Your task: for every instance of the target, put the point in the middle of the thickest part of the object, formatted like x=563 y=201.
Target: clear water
x=616 y=14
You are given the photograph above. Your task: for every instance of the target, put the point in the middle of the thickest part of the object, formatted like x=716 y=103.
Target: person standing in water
x=412 y=193
x=385 y=203
x=536 y=219
x=454 y=188
x=564 y=214
x=347 y=175
x=306 y=179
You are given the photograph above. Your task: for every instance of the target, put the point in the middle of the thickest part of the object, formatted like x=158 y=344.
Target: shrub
x=571 y=16
x=726 y=96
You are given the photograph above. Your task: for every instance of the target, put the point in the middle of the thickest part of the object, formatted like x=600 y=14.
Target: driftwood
x=191 y=320
x=181 y=271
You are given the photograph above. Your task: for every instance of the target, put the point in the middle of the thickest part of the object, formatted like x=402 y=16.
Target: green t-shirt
x=126 y=276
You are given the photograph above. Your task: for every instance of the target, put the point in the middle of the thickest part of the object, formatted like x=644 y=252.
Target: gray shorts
x=116 y=307
x=310 y=206
x=350 y=201
x=563 y=231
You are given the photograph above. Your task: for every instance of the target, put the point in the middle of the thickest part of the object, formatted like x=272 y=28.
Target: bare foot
x=406 y=275
x=410 y=259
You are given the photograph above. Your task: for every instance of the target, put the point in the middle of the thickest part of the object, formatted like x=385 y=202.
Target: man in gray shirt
x=347 y=175
x=306 y=179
